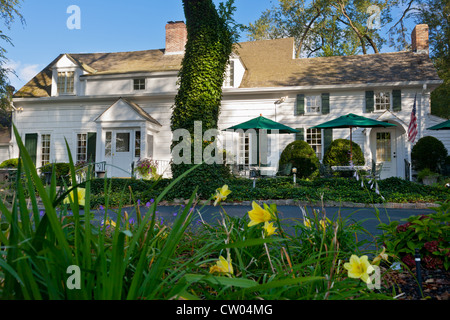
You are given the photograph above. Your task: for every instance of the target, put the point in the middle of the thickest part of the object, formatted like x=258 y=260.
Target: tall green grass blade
x=224 y=281
x=49 y=209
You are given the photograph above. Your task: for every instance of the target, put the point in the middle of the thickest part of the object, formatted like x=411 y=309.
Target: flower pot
x=100 y=174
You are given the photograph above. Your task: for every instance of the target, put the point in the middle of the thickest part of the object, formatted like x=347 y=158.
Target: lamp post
x=294 y=171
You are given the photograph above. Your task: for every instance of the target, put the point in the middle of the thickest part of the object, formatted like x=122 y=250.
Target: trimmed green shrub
x=10 y=163
x=430 y=153
x=302 y=157
x=338 y=153
x=62 y=171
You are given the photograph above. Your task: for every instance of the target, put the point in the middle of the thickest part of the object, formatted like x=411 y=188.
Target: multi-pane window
x=45 y=149
x=139 y=84
x=65 y=83
x=229 y=75
x=382 y=101
x=314 y=139
x=108 y=144
x=137 y=144
x=244 y=149
x=383 y=146
x=81 y=147
x=313 y=104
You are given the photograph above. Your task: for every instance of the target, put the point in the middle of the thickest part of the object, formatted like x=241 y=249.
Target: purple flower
x=139 y=202
x=41 y=214
x=101 y=208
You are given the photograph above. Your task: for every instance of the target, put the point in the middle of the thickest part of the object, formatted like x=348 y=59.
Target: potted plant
x=427 y=177
x=147 y=168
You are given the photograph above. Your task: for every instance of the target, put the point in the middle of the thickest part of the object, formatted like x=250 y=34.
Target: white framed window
x=139 y=84
x=382 y=100
x=314 y=139
x=137 y=144
x=229 y=74
x=66 y=82
x=244 y=149
x=383 y=144
x=81 y=147
x=45 y=149
x=313 y=104
x=108 y=144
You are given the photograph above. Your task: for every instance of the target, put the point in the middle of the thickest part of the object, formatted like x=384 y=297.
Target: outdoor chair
x=375 y=172
x=285 y=170
x=325 y=170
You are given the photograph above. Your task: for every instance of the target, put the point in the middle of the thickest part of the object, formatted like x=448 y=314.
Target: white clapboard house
x=116 y=107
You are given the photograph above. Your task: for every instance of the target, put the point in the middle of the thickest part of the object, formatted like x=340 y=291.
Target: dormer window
x=139 y=84
x=66 y=82
x=229 y=75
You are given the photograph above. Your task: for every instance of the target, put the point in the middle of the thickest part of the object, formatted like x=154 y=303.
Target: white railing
x=164 y=168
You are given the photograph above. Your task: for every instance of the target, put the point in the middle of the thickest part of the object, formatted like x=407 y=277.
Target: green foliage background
x=428 y=152
x=208 y=49
x=338 y=153
x=302 y=157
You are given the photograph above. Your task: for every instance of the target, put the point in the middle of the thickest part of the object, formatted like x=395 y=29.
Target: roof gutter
x=430 y=84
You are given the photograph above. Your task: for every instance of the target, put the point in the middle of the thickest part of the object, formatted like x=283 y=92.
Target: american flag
x=412 y=129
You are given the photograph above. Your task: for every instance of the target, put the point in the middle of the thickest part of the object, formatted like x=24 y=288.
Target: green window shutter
x=31 y=141
x=300 y=110
x=327 y=139
x=370 y=103
x=396 y=100
x=325 y=103
x=91 y=146
x=300 y=136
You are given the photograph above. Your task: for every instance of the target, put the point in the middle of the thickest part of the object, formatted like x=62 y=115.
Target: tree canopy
x=349 y=27
x=9 y=12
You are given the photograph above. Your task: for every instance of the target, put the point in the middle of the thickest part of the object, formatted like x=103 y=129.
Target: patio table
x=350 y=168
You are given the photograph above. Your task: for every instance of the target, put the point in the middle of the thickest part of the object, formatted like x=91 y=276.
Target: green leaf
x=251 y=242
x=282 y=283
x=225 y=281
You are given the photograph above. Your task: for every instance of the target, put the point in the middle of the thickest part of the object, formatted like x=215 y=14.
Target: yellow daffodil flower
x=269 y=228
x=359 y=268
x=307 y=223
x=323 y=223
x=382 y=256
x=221 y=194
x=109 y=222
x=222 y=266
x=81 y=193
x=258 y=215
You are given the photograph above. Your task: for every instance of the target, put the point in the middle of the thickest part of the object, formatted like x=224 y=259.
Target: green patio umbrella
x=441 y=126
x=262 y=123
x=352 y=121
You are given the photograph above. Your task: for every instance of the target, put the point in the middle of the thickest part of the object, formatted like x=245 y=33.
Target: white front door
x=118 y=153
x=384 y=142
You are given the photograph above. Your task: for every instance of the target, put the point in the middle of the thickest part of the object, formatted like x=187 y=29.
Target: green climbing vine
x=211 y=37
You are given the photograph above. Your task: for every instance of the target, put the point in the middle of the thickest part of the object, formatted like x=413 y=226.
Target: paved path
x=287 y=213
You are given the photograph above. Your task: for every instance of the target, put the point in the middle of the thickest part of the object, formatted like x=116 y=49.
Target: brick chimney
x=176 y=37
x=419 y=39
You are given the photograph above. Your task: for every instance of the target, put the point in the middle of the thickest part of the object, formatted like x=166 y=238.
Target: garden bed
x=331 y=190
x=435 y=284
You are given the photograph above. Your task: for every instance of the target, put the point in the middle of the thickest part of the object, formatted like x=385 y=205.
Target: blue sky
x=106 y=26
